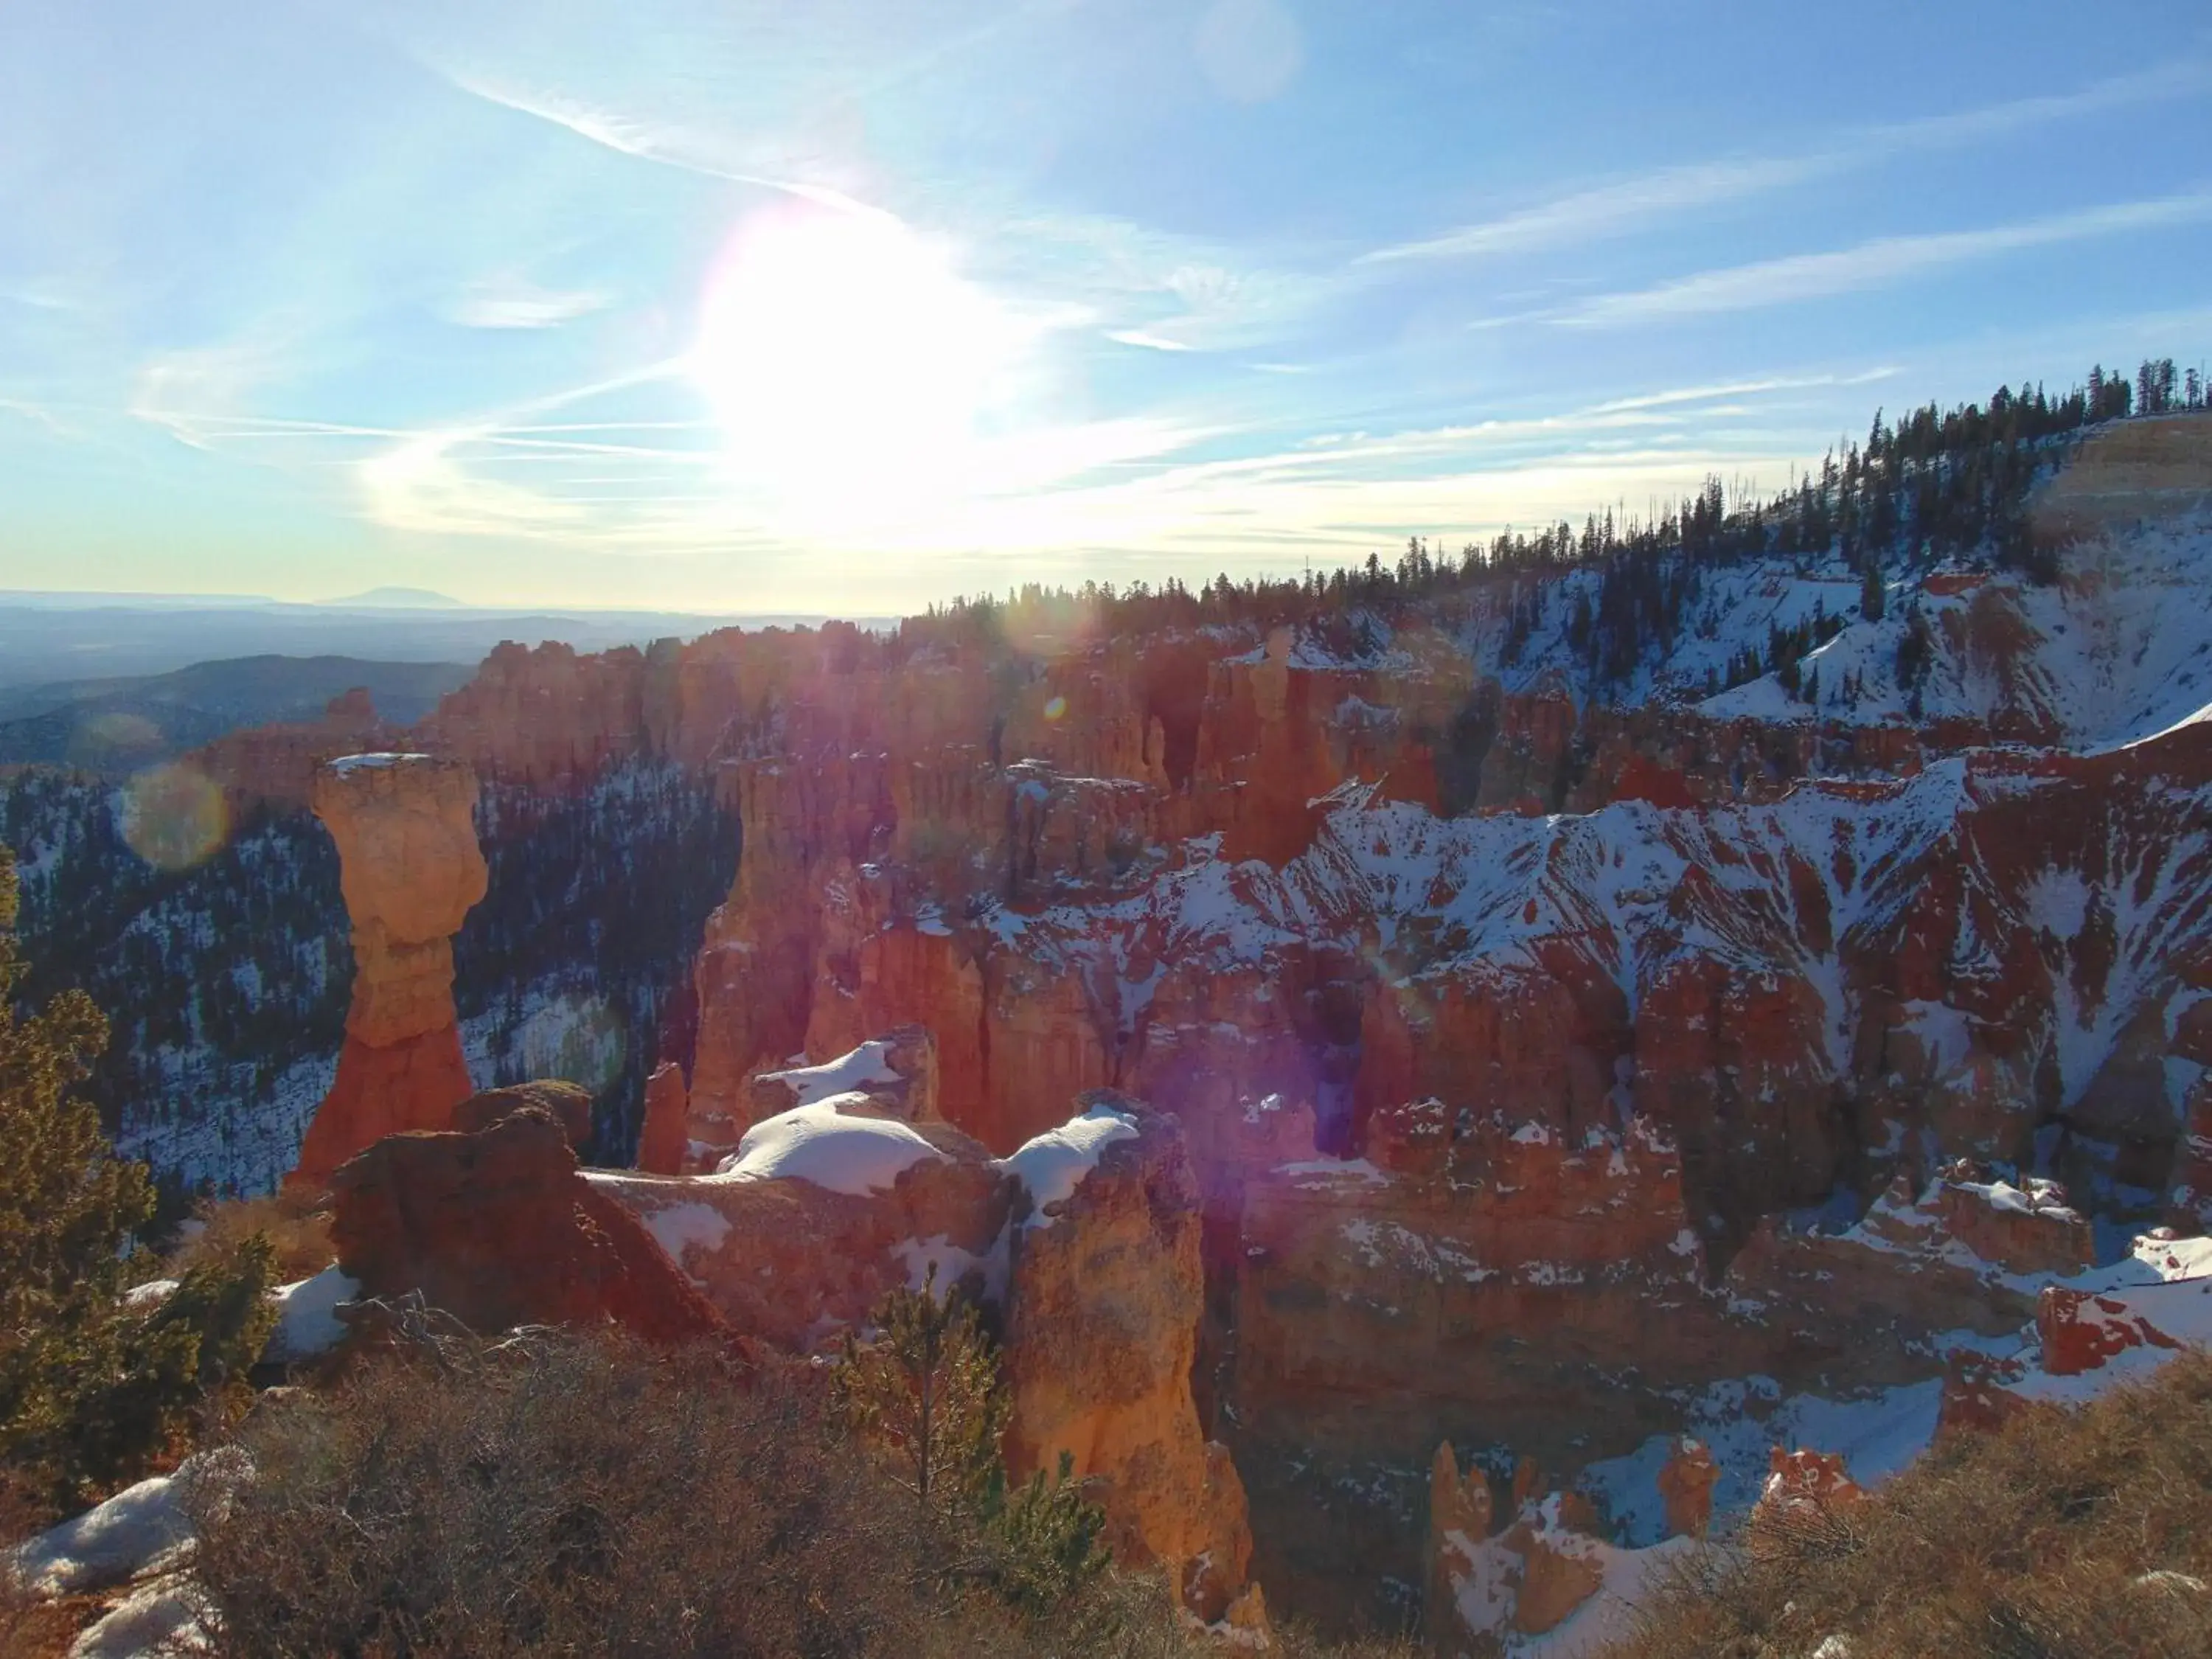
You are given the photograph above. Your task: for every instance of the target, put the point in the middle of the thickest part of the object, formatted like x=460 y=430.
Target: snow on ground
x=1054 y=1164
x=2110 y=656
x=142 y=1528
x=1611 y=1615
x=847 y=1074
x=842 y=1144
x=166 y=1617
x=2165 y=1281
x=2180 y=1308
x=248 y=1139
x=307 y=1323
x=1740 y=1420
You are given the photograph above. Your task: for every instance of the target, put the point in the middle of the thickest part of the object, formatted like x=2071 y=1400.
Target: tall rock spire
x=411 y=870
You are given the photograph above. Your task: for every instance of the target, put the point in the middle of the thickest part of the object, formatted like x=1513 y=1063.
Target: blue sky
x=735 y=306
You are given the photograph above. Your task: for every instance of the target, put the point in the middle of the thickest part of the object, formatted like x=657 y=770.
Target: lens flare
x=576 y=1038
x=173 y=816
x=1055 y=709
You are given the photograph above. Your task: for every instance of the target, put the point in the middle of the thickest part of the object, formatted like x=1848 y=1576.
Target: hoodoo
x=410 y=871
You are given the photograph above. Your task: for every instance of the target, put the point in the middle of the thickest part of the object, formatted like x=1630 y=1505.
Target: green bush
x=93 y=1392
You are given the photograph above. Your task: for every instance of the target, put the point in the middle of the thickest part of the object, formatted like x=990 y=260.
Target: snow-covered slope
x=2115 y=651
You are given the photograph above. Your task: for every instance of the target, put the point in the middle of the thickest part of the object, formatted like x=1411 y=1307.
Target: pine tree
x=927 y=1393
x=1873 y=600
x=92 y=1390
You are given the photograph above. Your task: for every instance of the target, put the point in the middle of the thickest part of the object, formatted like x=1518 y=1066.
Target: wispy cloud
x=1871 y=264
x=1701 y=394
x=196 y=392
x=522 y=304
x=1138 y=336
x=36 y=414
x=666 y=143
x=1635 y=203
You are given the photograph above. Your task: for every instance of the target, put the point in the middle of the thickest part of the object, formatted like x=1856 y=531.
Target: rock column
x=410 y=871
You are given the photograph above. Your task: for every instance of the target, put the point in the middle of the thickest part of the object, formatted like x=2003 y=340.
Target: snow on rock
x=1055 y=1164
x=682 y=1227
x=952 y=1263
x=347 y=764
x=306 y=1319
x=1741 y=1421
x=840 y=1143
x=1547 y=1587
x=847 y=1074
x=152 y=1294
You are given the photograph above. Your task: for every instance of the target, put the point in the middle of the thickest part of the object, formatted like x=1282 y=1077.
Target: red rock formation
x=1976 y=1395
x=547 y=716
x=2030 y=1230
x=499 y=1228
x=1101 y=1299
x=274 y=765
x=410 y=871
x=1802 y=1488
x=1102 y=1331
x=1459 y=1507
x=667 y=1107
x=1685 y=1487
x=2080 y=1331
x=796 y=1265
x=570 y=1105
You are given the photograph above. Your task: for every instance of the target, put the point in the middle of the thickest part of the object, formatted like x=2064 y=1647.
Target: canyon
x=1483 y=1062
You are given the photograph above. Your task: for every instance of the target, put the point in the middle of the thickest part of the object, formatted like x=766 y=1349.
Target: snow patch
x=307 y=1317
x=839 y=1144
x=1054 y=1164
x=682 y=1227
x=848 y=1074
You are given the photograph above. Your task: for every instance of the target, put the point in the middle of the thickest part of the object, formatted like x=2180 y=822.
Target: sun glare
x=847 y=363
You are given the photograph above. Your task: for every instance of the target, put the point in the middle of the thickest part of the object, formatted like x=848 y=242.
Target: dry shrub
x=1295 y=1640
x=559 y=1493
x=30 y=1628
x=299 y=1233
x=2082 y=1534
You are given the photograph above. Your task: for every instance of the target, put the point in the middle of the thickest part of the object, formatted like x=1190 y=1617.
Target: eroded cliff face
x=409 y=869
x=1536 y=1060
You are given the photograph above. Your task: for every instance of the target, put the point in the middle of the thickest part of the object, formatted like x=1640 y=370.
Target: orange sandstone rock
x=1102 y=1330
x=667 y=1105
x=499 y=1228
x=411 y=870
x=1685 y=1485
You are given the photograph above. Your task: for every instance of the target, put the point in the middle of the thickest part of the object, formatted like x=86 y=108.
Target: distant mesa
x=396 y=598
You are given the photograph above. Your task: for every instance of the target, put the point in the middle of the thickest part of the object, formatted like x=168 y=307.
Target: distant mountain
x=118 y=724
x=50 y=638
x=395 y=599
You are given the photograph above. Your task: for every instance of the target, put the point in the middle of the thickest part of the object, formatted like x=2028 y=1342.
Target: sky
x=856 y=305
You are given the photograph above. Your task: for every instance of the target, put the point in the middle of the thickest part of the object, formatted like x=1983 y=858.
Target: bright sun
x=847 y=362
